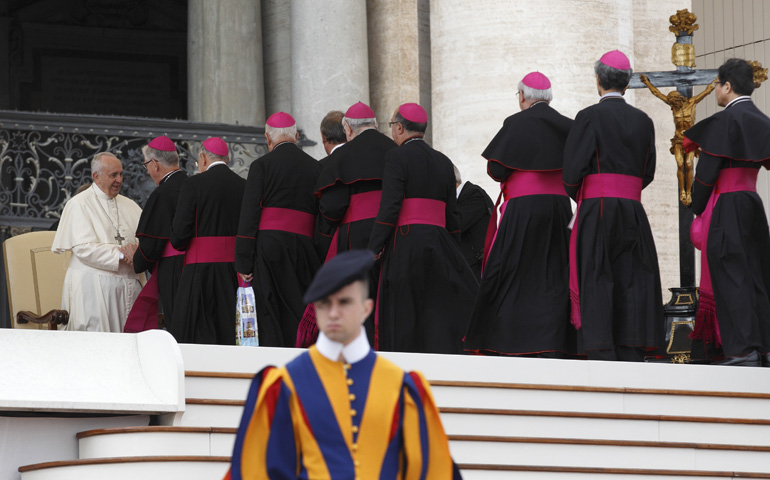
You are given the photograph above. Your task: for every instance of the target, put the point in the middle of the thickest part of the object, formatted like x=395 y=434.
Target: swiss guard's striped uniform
x=321 y=419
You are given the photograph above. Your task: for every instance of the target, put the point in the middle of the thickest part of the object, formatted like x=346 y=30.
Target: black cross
x=683 y=78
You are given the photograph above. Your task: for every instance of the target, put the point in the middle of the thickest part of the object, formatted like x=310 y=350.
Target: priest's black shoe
x=766 y=360
x=750 y=360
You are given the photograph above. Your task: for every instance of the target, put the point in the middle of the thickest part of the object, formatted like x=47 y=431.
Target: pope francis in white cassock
x=98 y=225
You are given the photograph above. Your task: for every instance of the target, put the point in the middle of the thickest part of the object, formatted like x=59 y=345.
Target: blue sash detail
x=320 y=415
x=414 y=392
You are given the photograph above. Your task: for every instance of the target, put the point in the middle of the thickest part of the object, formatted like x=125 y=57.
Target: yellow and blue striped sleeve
x=265 y=444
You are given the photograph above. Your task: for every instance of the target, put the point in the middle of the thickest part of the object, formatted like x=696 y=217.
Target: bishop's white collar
x=169 y=174
x=353 y=352
x=735 y=100
x=610 y=95
x=213 y=164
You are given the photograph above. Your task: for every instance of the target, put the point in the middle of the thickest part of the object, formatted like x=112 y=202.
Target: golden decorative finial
x=683 y=22
x=760 y=74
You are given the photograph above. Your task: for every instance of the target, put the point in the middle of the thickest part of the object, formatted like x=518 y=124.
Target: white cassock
x=98 y=290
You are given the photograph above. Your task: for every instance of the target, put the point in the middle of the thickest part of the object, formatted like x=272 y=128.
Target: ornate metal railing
x=45 y=157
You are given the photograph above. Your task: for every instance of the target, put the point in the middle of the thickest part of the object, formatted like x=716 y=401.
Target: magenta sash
x=600 y=185
x=210 y=250
x=287 y=220
x=730 y=180
x=422 y=211
x=144 y=312
x=414 y=211
x=521 y=183
x=363 y=206
x=170 y=251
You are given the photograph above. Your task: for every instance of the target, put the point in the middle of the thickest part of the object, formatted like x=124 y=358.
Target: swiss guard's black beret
x=342 y=270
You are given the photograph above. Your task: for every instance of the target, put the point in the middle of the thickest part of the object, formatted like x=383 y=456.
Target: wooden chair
x=35 y=277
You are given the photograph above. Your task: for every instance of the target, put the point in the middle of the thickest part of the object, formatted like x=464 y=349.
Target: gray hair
x=213 y=157
x=96 y=162
x=357 y=124
x=167 y=159
x=458 y=177
x=612 y=78
x=535 y=94
x=276 y=133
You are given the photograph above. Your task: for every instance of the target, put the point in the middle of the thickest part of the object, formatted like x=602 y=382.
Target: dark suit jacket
x=475 y=208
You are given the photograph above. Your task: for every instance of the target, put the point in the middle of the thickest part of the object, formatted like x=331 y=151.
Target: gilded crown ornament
x=683 y=23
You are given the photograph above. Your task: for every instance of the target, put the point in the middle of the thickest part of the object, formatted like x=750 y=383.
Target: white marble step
x=550 y=398
x=551 y=424
x=580 y=373
x=515 y=451
x=649 y=428
x=216 y=388
x=155 y=441
x=591 y=474
x=188 y=468
x=208 y=470
x=196 y=415
x=615 y=401
x=633 y=456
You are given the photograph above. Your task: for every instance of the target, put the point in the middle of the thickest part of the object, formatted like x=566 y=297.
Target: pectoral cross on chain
x=119 y=238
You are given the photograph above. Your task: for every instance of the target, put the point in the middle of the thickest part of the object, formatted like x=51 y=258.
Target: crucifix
x=682 y=105
x=119 y=238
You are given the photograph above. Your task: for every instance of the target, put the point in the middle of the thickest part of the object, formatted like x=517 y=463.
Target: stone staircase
x=506 y=418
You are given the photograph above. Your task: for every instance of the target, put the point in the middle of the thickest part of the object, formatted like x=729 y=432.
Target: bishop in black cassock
x=154 y=230
x=731 y=230
x=427 y=288
x=615 y=280
x=274 y=247
x=350 y=186
x=205 y=225
x=523 y=301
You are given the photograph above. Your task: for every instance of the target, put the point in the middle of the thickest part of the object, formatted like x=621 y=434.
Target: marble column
x=399 y=55
x=329 y=62
x=225 y=79
x=478 y=58
x=276 y=38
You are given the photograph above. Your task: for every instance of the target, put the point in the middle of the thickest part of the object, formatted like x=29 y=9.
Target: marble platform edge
x=662 y=376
